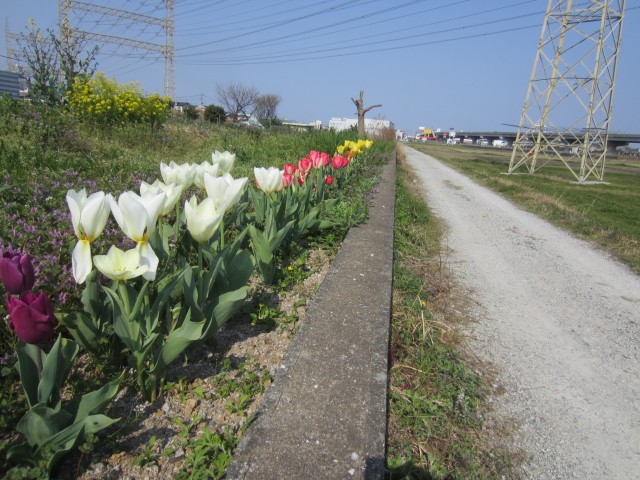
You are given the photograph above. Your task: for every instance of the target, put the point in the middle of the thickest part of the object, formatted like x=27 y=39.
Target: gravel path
x=558 y=319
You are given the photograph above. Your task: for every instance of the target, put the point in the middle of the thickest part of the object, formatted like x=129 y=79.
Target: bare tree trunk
x=361 y=111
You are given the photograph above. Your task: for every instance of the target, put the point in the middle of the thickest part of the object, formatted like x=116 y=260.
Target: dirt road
x=558 y=319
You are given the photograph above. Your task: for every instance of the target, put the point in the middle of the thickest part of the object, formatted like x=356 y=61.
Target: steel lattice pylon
x=572 y=84
x=166 y=24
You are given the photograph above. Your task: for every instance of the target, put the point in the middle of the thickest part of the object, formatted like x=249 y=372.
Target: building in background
x=11 y=83
x=372 y=126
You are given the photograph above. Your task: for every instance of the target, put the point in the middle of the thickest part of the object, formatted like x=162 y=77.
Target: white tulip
x=89 y=217
x=225 y=191
x=269 y=180
x=202 y=220
x=137 y=216
x=171 y=191
x=224 y=160
x=179 y=174
x=119 y=265
x=202 y=169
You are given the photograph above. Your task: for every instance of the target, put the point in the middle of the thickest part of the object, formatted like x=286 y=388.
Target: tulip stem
x=177 y=224
x=39 y=362
x=200 y=274
x=122 y=289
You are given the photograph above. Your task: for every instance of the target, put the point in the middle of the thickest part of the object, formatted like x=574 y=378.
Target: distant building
x=303 y=127
x=372 y=126
x=10 y=83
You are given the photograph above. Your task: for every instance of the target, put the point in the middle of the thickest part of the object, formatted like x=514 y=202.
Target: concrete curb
x=325 y=416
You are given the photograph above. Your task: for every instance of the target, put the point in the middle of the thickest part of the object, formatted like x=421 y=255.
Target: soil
x=192 y=399
x=556 y=319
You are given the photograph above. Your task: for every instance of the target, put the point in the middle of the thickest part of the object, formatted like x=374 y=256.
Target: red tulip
x=31 y=317
x=319 y=159
x=301 y=179
x=339 y=162
x=16 y=272
x=304 y=164
x=290 y=169
x=328 y=179
x=287 y=179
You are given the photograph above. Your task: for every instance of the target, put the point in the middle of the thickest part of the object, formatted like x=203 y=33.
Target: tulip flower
x=137 y=217
x=339 y=162
x=31 y=317
x=290 y=169
x=319 y=159
x=328 y=179
x=89 y=217
x=183 y=174
x=268 y=180
x=287 y=179
x=16 y=272
x=205 y=167
x=224 y=160
x=305 y=164
x=368 y=144
x=202 y=220
x=340 y=149
x=171 y=191
x=225 y=191
x=119 y=265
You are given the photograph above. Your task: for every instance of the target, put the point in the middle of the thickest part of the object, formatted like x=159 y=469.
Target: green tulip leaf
x=55 y=369
x=177 y=341
x=239 y=270
x=67 y=439
x=129 y=332
x=228 y=304
x=41 y=423
x=92 y=403
x=27 y=367
x=86 y=329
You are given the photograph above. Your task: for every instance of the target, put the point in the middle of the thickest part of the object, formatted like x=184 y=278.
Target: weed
x=209 y=455
x=434 y=396
x=147 y=456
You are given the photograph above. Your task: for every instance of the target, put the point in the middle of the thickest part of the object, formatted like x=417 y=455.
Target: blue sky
x=434 y=63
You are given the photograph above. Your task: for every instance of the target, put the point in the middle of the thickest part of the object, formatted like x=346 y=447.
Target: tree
x=53 y=63
x=237 y=99
x=361 y=111
x=266 y=107
x=214 y=113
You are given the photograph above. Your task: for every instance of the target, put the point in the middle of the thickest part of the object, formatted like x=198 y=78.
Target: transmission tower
x=166 y=24
x=572 y=83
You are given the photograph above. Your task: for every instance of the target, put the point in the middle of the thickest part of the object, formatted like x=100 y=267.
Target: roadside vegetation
x=606 y=214
x=436 y=392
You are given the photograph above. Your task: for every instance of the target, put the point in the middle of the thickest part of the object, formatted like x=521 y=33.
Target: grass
x=435 y=428
x=607 y=214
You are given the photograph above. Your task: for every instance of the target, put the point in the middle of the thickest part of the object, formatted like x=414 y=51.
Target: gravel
x=559 y=321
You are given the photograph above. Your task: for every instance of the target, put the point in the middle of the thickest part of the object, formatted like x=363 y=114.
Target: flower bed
x=158 y=297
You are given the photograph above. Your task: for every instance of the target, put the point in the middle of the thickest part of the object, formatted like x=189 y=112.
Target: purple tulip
x=31 y=317
x=16 y=272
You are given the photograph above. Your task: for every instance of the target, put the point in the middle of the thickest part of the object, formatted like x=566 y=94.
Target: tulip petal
x=75 y=200
x=148 y=258
x=81 y=261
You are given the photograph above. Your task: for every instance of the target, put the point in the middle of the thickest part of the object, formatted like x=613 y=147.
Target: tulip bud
x=290 y=169
x=31 y=317
x=339 y=162
x=304 y=164
x=16 y=272
x=328 y=179
x=287 y=179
